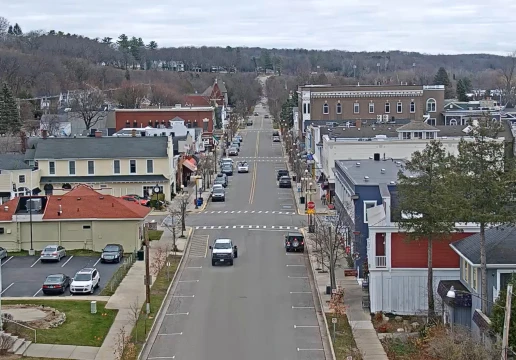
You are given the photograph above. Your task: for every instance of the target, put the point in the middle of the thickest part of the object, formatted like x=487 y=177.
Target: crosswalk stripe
x=239 y=212
x=273 y=227
x=225 y=212
x=204 y=227
x=232 y=212
x=252 y=212
x=241 y=227
x=259 y=212
x=212 y=227
x=266 y=212
x=227 y=227
x=234 y=227
x=265 y=227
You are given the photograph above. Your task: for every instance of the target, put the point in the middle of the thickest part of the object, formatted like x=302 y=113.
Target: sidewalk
x=359 y=319
x=190 y=208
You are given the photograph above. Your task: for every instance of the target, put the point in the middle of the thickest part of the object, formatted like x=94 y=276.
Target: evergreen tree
x=17 y=30
x=152 y=45
x=266 y=60
x=127 y=75
x=238 y=59
x=424 y=198
x=467 y=85
x=123 y=41
x=498 y=313
x=461 y=91
x=10 y=30
x=441 y=78
x=10 y=122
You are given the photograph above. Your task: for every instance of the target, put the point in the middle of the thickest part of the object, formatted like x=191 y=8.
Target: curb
x=328 y=334
x=159 y=315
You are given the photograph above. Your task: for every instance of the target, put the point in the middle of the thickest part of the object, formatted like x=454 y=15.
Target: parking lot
x=23 y=276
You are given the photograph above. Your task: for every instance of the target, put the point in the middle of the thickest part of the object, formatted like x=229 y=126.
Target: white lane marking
x=239 y=212
x=265 y=227
x=272 y=227
x=234 y=226
x=241 y=226
x=252 y=212
x=6 y=261
x=303 y=307
x=298 y=349
x=305 y=326
x=7 y=288
x=188 y=281
x=96 y=262
x=37 y=292
x=194 y=267
x=298 y=277
x=171 y=334
x=212 y=227
x=245 y=212
x=266 y=212
x=183 y=296
x=35 y=262
x=225 y=212
x=67 y=261
x=186 y=313
x=161 y=357
x=204 y=227
x=281 y=227
x=232 y=212
x=259 y=212
x=300 y=292
x=227 y=227
x=296 y=265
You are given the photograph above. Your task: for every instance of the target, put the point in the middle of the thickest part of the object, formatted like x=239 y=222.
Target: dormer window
x=326 y=109
x=339 y=108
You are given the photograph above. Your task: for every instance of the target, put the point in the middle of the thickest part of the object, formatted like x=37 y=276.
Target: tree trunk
x=430 y=281
x=483 y=267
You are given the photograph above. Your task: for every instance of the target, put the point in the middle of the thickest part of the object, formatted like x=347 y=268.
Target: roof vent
x=383 y=171
x=366 y=178
x=393 y=182
x=6 y=208
x=78 y=198
x=101 y=197
x=58 y=199
x=357 y=164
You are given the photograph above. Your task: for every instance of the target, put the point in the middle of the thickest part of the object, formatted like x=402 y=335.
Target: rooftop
x=13 y=162
x=168 y=109
x=371 y=172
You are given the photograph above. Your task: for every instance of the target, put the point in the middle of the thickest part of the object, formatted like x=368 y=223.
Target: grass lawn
x=344 y=344
x=155 y=234
x=158 y=292
x=80 y=327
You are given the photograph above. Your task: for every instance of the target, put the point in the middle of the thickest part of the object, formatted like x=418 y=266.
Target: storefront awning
x=190 y=165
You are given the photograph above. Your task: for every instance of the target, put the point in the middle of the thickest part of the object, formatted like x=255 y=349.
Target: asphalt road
x=23 y=276
x=263 y=306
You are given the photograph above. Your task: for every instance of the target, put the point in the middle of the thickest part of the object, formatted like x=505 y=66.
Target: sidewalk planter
x=141 y=255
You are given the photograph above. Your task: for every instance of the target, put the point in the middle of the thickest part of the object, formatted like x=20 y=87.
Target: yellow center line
x=253 y=184
x=207 y=245
x=257 y=144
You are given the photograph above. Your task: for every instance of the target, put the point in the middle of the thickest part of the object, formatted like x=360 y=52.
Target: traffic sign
x=310 y=211
x=311 y=205
x=333 y=320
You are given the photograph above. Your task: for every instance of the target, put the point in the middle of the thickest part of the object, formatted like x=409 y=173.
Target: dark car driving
x=55 y=284
x=285 y=182
x=294 y=241
x=281 y=173
x=112 y=253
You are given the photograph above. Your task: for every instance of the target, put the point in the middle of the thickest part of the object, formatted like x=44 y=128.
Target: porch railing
x=381 y=261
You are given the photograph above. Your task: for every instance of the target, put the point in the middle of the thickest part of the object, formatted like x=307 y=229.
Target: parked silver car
x=3 y=253
x=53 y=253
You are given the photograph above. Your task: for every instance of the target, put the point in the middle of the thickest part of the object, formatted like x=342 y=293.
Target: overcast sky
x=429 y=26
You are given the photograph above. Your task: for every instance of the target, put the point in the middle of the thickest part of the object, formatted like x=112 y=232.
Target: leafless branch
x=88 y=104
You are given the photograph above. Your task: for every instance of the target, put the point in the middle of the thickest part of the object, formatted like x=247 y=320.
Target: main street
x=262 y=307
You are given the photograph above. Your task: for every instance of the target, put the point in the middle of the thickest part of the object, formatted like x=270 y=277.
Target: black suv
x=294 y=241
x=112 y=253
x=285 y=182
x=281 y=173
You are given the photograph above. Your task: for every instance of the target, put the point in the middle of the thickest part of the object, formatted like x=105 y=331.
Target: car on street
x=233 y=151
x=255 y=114
x=276 y=136
x=249 y=122
x=226 y=161
x=3 y=253
x=243 y=167
x=227 y=170
x=112 y=253
x=266 y=116
x=52 y=253
x=239 y=138
x=55 y=284
x=281 y=173
x=218 y=194
x=221 y=179
x=294 y=241
x=285 y=182
x=217 y=186
x=136 y=198
x=223 y=251
x=85 y=281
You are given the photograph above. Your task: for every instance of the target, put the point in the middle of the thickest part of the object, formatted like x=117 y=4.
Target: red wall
x=142 y=118
x=413 y=254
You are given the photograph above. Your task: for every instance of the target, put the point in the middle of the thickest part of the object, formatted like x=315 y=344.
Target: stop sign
x=311 y=205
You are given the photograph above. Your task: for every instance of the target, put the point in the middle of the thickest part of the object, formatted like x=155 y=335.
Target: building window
x=399 y=107
x=308 y=109
x=371 y=108
x=339 y=108
x=387 y=107
x=474 y=278
x=52 y=167
x=367 y=205
x=304 y=108
x=431 y=122
x=150 y=166
x=407 y=135
x=356 y=108
x=205 y=125
x=430 y=135
x=116 y=166
x=465 y=271
x=453 y=122
x=71 y=167
x=86 y=227
x=412 y=107
x=431 y=105
x=326 y=109
x=21 y=179
x=91 y=167
x=418 y=135
x=132 y=166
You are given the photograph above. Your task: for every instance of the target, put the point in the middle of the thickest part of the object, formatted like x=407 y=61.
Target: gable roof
x=500 y=246
x=82 y=202
x=102 y=148
x=196 y=100
x=222 y=87
x=417 y=125
x=13 y=162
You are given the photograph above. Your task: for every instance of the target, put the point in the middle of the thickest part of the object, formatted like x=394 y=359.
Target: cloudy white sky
x=429 y=26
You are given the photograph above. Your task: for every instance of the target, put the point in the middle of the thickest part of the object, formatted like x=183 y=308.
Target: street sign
x=311 y=205
x=310 y=211
x=333 y=320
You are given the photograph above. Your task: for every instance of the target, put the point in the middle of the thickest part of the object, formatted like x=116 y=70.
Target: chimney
x=44 y=134
x=358 y=123
x=98 y=134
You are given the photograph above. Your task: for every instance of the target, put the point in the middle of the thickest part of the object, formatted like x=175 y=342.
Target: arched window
x=326 y=109
x=67 y=186
x=431 y=105
x=339 y=108
x=453 y=122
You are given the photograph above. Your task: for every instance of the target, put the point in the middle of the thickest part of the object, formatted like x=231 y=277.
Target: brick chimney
x=98 y=134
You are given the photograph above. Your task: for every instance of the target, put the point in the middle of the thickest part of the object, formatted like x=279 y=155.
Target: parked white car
x=243 y=167
x=85 y=281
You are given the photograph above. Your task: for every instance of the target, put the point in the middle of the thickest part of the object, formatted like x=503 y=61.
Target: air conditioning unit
x=379 y=118
x=386 y=118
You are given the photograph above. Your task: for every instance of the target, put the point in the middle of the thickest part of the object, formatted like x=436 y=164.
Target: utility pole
x=506 y=324
x=147 y=271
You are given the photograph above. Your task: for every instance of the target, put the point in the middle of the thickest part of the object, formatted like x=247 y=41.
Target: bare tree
x=331 y=234
x=51 y=124
x=177 y=217
x=4 y=25
x=163 y=95
x=134 y=310
x=205 y=167
x=130 y=95
x=124 y=348
x=160 y=258
x=508 y=77
x=88 y=104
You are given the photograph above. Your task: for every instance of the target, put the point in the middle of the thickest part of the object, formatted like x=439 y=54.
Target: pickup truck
x=223 y=252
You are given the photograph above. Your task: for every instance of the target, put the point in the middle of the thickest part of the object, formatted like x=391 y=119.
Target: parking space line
x=298 y=349
x=35 y=262
x=96 y=262
x=161 y=357
x=6 y=261
x=37 y=292
x=186 y=313
x=300 y=292
x=305 y=326
x=67 y=261
x=296 y=265
x=183 y=296
x=186 y=281
x=194 y=267
x=298 y=277
x=303 y=307
x=7 y=288
x=171 y=334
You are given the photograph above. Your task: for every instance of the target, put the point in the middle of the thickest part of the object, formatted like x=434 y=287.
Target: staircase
x=19 y=346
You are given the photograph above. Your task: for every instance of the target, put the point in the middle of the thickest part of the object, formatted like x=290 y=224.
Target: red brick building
x=201 y=117
x=217 y=94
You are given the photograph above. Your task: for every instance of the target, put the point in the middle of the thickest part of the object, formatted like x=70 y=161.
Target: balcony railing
x=381 y=261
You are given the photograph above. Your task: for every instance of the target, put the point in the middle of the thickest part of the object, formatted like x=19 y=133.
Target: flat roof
x=371 y=172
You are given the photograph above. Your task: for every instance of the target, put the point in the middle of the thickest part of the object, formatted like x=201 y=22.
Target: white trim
x=356 y=108
x=325 y=109
x=49 y=167
x=365 y=203
x=119 y=167
x=79 y=219
x=410 y=269
x=498 y=272
x=371 y=105
x=147 y=166
x=412 y=104
x=74 y=167
x=429 y=101
x=399 y=107
x=88 y=167
x=135 y=167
